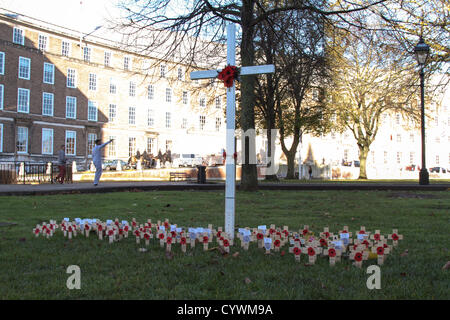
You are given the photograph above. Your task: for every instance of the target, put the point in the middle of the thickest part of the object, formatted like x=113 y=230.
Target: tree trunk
x=249 y=179
x=363 y=152
x=291 y=164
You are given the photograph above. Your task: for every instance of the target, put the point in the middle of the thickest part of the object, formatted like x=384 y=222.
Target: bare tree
x=430 y=19
x=371 y=76
x=294 y=41
x=174 y=32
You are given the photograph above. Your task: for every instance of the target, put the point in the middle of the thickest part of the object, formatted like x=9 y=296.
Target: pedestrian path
x=88 y=187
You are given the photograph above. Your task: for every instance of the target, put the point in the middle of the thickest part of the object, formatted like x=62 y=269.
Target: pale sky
x=80 y=15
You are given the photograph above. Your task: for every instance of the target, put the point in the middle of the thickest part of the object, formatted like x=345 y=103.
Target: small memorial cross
x=395 y=237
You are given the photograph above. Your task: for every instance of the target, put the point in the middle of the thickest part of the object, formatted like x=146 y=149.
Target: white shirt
x=97 y=153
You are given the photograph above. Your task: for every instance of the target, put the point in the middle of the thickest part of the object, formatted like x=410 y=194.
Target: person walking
x=97 y=159
x=61 y=164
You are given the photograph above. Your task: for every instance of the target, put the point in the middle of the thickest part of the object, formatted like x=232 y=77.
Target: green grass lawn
x=380 y=181
x=35 y=268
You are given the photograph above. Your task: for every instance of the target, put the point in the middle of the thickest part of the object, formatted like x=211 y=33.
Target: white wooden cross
x=230 y=165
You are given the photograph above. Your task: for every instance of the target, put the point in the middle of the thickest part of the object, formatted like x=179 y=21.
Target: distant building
x=396 y=151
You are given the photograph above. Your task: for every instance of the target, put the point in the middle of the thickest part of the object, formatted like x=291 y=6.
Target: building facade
x=58 y=86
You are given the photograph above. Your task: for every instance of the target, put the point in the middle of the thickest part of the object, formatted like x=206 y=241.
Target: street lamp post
x=421 y=51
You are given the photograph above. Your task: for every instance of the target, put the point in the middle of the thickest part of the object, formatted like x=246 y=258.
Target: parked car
x=411 y=167
x=112 y=165
x=438 y=169
x=188 y=160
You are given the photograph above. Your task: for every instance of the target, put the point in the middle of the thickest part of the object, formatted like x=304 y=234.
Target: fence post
x=22 y=171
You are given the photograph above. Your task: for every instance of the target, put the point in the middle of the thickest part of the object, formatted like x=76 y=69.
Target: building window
x=24 y=68
x=437 y=160
x=2 y=63
x=71 y=78
x=1 y=97
x=168 y=120
x=202 y=122
x=185 y=97
x=112 y=86
x=22 y=139
x=180 y=74
x=71 y=143
x=315 y=94
x=132 y=115
x=184 y=123
x=126 y=63
x=218 y=106
x=47 y=141
x=436 y=121
x=107 y=58
x=412 y=157
x=218 y=124
x=47 y=104
x=43 y=42
x=399 y=157
x=92 y=81
x=71 y=107
x=150 y=92
x=65 y=48
x=438 y=140
x=132 y=91
x=112 y=112
x=92 y=110
x=18 y=36
x=162 y=71
x=87 y=54
x=399 y=138
x=49 y=73
x=23 y=100
x=112 y=147
x=131 y=146
x=168 y=145
x=346 y=155
x=203 y=102
x=150 y=145
x=411 y=137
x=91 y=142
x=397 y=118
x=150 y=117
x=168 y=95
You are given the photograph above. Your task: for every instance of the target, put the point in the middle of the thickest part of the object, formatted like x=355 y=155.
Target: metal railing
x=31 y=172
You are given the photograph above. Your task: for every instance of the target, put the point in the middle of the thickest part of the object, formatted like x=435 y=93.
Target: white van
x=188 y=160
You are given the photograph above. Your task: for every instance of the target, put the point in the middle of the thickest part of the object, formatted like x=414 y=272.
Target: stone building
x=59 y=86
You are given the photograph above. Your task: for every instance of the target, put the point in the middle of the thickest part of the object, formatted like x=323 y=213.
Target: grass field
x=35 y=268
x=344 y=181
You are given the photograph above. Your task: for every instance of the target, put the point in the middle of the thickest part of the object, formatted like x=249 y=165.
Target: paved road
x=86 y=187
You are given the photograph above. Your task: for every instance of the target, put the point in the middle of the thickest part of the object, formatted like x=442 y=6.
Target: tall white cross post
x=230 y=164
